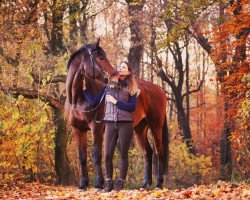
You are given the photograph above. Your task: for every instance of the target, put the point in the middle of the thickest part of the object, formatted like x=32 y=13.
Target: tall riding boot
x=108 y=185
x=119 y=184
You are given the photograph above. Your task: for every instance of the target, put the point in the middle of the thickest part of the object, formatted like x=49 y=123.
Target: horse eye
x=101 y=57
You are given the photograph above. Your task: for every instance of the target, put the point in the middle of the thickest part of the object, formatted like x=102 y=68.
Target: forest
x=196 y=51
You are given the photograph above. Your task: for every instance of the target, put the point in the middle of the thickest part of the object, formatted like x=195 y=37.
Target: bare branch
x=33 y=94
x=198 y=106
x=200 y=38
x=196 y=90
x=102 y=10
x=56 y=79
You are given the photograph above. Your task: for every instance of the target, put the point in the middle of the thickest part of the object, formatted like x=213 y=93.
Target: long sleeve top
x=95 y=100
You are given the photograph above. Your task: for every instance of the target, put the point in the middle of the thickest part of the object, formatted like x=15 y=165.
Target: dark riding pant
x=121 y=132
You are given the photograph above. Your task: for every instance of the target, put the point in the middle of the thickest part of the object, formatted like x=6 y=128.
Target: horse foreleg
x=97 y=134
x=141 y=138
x=81 y=139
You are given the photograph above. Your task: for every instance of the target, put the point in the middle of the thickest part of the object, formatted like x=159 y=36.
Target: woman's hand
x=111 y=99
x=83 y=84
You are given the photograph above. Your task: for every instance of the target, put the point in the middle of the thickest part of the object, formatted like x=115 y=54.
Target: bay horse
x=90 y=61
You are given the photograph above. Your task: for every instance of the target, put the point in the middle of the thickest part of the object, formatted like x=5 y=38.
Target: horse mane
x=80 y=50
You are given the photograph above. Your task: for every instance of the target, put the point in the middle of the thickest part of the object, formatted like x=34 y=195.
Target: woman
x=120 y=96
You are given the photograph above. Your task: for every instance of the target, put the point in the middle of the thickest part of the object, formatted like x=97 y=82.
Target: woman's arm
x=94 y=100
x=128 y=106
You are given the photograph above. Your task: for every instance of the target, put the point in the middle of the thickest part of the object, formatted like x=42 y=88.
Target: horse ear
x=97 y=43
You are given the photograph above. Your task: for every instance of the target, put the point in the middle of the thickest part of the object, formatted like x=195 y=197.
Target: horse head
x=88 y=61
x=93 y=61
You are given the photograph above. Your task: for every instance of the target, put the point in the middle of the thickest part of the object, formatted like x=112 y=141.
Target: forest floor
x=221 y=190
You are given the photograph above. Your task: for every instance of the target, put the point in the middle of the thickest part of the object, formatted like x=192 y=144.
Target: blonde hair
x=131 y=81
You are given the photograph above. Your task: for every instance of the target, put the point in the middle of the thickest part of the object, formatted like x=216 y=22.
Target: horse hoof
x=98 y=188
x=145 y=185
x=83 y=187
x=158 y=187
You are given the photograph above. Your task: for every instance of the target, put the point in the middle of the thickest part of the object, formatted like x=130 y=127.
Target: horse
x=90 y=61
x=82 y=117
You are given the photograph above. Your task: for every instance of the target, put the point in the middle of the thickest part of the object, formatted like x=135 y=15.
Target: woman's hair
x=131 y=81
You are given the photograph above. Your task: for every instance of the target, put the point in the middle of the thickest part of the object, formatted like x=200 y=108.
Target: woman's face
x=123 y=69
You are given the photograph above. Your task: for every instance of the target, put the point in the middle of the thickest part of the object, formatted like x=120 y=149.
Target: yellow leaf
x=246 y=193
x=158 y=193
x=15 y=114
x=216 y=192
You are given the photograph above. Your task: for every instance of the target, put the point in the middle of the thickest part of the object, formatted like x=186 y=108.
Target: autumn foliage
x=231 y=56
x=208 y=39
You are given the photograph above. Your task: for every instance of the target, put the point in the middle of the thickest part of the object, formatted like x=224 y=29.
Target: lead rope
x=91 y=110
x=99 y=121
x=96 y=120
x=87 y=111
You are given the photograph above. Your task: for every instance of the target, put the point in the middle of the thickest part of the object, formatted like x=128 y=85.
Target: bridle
x=94 y=61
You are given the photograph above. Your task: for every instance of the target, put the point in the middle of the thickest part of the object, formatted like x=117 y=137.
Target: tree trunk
x=225 y=149
x=83 y=22
x=183 y=122
x=56 y=43
x=62 y=166
x=187 y=83
x=135 y=22
x=74 y=7
x=152 y=44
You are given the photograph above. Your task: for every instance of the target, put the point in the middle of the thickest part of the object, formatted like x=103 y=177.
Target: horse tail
x=165 y=143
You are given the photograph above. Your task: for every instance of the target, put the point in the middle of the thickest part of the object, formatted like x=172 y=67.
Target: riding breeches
x=121 y=133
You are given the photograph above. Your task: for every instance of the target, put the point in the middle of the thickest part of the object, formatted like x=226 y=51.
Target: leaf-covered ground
x=221 y=190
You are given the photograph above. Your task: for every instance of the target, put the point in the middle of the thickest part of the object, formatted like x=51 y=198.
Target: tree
x=135 y=8
x=56 y=39
x=232 y=67
x=42 y=76
x=177 y=36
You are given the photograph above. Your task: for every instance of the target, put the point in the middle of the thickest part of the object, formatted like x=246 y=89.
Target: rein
x=87 y=111
x=91 y=110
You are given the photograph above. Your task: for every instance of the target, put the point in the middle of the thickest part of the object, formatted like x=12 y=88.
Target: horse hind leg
x=159 y=151
x=142 y=139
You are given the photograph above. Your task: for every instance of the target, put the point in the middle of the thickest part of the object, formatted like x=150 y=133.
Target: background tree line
x=196 y=51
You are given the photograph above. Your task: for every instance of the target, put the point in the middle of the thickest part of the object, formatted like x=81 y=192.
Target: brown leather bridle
x=94 y=61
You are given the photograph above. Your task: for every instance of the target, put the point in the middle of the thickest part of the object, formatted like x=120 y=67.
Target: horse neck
x=91 y=85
